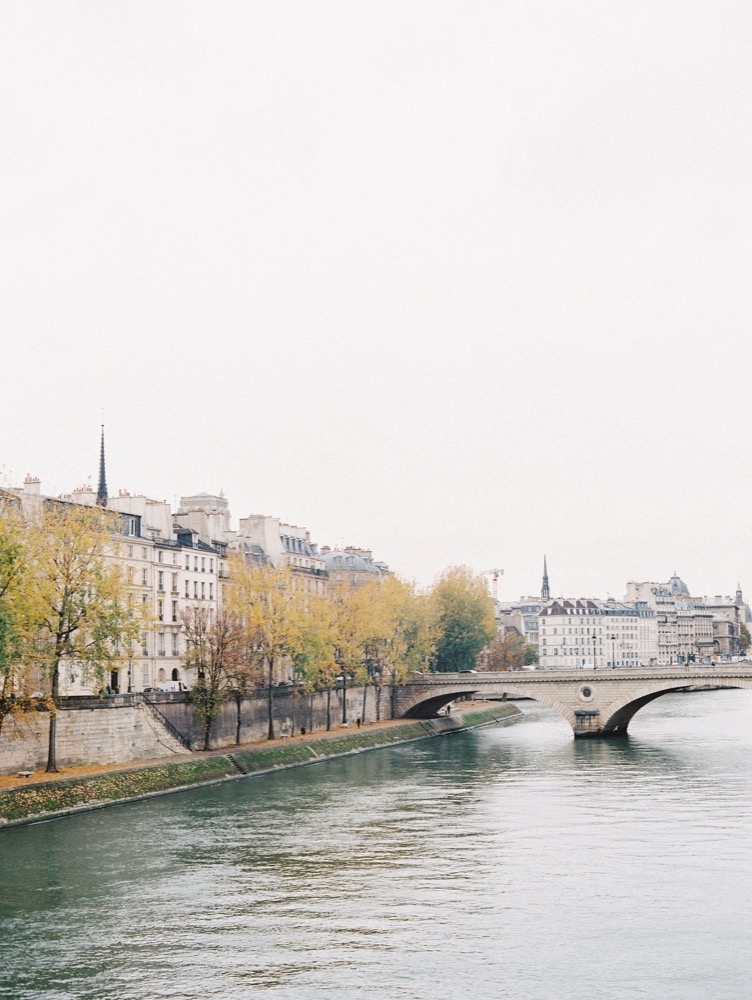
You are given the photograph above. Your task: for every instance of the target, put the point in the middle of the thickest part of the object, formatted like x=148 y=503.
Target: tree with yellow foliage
x=313 y=651
x=15 y=683
x=352 y=614
x=75 y=597
x=268 y=603
x=398 y=635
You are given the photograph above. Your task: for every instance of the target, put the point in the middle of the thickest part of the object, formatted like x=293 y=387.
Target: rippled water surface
x=505 y=862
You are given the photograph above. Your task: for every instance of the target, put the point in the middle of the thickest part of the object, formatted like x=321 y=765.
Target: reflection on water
x=506 y=862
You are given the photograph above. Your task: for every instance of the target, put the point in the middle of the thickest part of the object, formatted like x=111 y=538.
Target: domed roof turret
x=678 y=586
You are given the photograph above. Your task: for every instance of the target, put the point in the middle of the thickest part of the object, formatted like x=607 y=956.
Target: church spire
x=545 y=590
x=102 y=489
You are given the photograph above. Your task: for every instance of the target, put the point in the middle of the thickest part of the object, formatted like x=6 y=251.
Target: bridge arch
x=617 y=716
x=420 y=706
x=430 y=707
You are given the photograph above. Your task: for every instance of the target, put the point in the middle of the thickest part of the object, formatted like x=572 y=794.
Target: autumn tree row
x=374 y=636
x=66 y=599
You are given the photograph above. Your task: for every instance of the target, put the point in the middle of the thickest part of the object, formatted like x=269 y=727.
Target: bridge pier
x=589 y=725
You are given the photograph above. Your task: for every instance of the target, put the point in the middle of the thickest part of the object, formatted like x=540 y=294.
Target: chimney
x=32 y=484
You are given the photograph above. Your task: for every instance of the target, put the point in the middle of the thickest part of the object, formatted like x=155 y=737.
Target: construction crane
x=494 y=574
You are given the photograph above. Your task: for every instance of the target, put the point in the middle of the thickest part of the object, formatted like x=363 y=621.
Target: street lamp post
x=595 y=661
x=613 y=651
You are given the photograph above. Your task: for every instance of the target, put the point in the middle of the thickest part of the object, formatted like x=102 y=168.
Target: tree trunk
x=310 y=712
x=51 y=758
x=270 y=701
x=52 y=742
x=207 y=731
x=237 y=718
x=328 y=709
x=377 y=691
x=363 y=709
x=393 y=698
x=344 y=697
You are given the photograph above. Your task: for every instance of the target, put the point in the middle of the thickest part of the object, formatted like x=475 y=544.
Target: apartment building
x=269 y=541
x=585 y=633
x=691 y=629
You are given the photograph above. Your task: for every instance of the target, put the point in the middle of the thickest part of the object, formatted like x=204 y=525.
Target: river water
x=505 y=862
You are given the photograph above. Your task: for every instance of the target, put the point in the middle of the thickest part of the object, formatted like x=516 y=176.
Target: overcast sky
x=458 y=281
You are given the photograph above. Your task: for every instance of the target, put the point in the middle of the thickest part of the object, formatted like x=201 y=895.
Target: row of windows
x=161 y=675
x=161 y=648
x=161 y=581
x=586 y=656
x=199 y=562
x=633 y=633
x=199 y=594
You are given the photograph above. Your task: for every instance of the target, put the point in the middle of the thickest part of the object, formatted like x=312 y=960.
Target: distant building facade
x=691 y=629
x=520 y=616
x=266 y=540
x=585 y=633
x=351 y=567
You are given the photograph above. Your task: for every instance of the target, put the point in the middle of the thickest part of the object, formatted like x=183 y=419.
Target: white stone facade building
x=585 y=633
x=691 y=629
x=269 y=541
x=171 y=569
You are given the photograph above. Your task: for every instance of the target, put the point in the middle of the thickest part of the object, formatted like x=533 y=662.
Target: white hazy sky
x=459 y=281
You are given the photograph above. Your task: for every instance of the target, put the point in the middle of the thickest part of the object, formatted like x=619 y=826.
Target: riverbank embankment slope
x=43 y=796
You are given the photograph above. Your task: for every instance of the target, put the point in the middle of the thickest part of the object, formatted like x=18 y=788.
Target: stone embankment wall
x=292 y=712
x=95 y=731
x=121 y=729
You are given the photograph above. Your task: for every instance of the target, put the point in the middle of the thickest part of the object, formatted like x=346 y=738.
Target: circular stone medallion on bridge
x=585 y=693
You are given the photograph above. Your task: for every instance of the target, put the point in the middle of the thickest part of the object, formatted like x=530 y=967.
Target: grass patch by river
x=286 y=755
x=61 y=796
x=45 y=799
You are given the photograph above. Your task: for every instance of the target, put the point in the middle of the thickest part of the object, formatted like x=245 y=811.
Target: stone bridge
x=594 y=702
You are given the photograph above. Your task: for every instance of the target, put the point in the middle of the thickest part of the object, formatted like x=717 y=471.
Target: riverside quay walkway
x=597 y=702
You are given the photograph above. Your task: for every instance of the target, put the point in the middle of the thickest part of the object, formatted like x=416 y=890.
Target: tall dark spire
x=545 y=591
x=102 y=489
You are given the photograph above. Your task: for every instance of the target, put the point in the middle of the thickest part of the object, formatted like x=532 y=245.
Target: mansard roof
x=563 y=606
x=344 y=559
